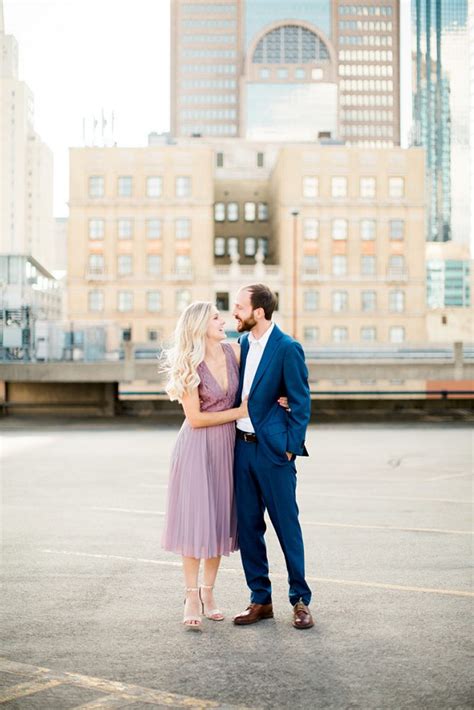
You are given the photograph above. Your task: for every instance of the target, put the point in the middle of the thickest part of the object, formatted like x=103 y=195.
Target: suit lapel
x=244 y=349
x=270 y=349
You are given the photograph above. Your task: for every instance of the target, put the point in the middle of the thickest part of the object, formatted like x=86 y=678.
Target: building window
x=368 y=301
x=125 y=301
x=396 y=266
x=220 y=160
x=249 y=211
x=96 y=186
x=183 y=186
x=263 y=245
x=96 y=263
x=397 y=334
x=96 y=228
x=310 y=264
x=96 y=300
x=311 y=300
x=182 y=228
x=339 y=334
x=310 y=228
x=153 y=264
x=222 y=301
x=124 y=264
x=396 y=187
x=183 y=299
x=153 y=301
x=339 y=187
x=368 y=334
x=300 y=73
x=339 y=301
x=125 y=228
x=125 y=186
x=219 y=246
x=260 y=160
x=233 y=211
x=310 y=334
x=232 y=246
x=250 y=246
x=367 y=230
x=264 y=73
x=339 y=265
x=367 y=266
x=219 y=212
x=397 y=229
x=282 y=73
x=183 y=265
x=310 y=186
x=396 y=301
x=367 y=187
x=262 y=211
x=153 y=228
x=152 y=335
x=154 y=186
x=339 y=229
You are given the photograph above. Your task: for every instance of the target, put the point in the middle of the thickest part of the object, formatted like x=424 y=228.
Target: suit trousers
x=263 y=485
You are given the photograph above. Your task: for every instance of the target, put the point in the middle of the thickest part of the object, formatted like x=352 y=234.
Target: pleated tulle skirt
x=201 y=519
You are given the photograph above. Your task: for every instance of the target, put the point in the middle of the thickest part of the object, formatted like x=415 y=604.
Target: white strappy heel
x=191 y=622
x=212 y=614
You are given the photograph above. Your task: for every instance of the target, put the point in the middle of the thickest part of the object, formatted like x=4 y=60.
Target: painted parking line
x=277 y=575
x=117 y=694
x=27 y=688
x=449 y=476
x=312 y=522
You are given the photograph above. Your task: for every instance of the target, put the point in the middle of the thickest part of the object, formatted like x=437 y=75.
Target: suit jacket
x=282 y=372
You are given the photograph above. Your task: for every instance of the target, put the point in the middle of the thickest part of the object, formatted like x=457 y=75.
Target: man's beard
x=245 y=325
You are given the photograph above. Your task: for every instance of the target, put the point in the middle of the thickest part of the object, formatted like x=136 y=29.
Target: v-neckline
x=224 y=391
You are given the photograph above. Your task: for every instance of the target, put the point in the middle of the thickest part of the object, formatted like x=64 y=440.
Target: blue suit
x=264 y=477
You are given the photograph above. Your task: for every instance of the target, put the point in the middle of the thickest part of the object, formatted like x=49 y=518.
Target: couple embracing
x=247 y=407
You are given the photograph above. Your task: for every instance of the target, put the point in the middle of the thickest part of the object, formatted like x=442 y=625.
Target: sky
x=80 y=57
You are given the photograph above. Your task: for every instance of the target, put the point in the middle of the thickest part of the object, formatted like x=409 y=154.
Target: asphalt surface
x=92 y=606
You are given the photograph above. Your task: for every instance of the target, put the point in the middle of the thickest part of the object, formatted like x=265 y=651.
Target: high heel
x=192 y=623
x=213 y=614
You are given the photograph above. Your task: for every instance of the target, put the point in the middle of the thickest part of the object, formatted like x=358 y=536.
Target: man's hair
x=262 y=297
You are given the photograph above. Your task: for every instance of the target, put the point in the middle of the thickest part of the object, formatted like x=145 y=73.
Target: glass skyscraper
x=440 y=123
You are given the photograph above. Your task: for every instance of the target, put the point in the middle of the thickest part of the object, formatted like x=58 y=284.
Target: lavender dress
x=201 y=520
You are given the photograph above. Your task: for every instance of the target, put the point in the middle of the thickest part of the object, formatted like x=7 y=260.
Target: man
x=267 y=443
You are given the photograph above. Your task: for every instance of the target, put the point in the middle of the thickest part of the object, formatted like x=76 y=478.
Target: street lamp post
x=294 y=214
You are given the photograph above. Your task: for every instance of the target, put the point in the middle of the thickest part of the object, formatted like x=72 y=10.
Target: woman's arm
x=198 y=419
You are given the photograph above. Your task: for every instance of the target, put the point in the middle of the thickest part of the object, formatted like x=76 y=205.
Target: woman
x=201 y=523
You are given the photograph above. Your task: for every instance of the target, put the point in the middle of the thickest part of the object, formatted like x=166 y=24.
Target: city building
x=337 y=231
x=30 y=302
x=26 y=166
x=140 y=236
x=276 y=70
x=441 y=113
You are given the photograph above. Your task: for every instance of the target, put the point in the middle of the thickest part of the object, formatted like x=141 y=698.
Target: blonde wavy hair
x=179 y=362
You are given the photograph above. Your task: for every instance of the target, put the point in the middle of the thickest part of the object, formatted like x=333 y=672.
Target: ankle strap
x=191 y=589
x=207 y=586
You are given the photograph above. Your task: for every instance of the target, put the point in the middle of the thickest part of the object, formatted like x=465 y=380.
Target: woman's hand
x=244 y=409
x=283 y=402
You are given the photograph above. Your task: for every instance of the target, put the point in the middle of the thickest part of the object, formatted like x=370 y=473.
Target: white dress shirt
x=254 y=355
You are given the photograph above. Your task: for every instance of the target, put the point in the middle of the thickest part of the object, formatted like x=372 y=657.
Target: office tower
x=441 y=112
x=26 y=166
x=279 y=70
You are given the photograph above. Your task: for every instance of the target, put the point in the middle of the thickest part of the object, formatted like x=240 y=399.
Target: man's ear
x=260 y=313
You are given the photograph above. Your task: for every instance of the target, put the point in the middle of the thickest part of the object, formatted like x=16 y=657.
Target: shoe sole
x=302 y=628
x=254 y=621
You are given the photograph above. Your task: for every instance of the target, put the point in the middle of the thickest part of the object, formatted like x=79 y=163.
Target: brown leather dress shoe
x=254 y=613
x=302 y=618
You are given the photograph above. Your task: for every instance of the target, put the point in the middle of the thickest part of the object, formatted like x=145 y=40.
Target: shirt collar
x=264 y=339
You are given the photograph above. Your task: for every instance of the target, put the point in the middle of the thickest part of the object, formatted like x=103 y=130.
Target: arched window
x=290 y=44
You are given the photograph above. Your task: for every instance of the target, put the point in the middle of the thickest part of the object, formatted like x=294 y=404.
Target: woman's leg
x=192 y=605
x=211 y=567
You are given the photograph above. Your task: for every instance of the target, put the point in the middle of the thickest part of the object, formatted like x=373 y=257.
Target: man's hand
x=290 y=455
